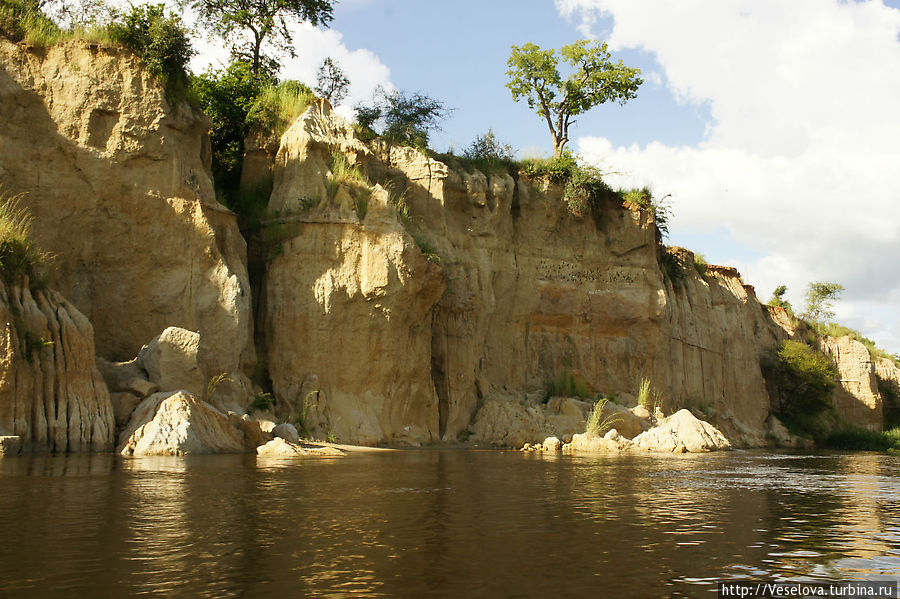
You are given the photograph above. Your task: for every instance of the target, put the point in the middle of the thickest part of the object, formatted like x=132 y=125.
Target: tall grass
x=644 y=395
x=278 y=106
x=19 y=256
x=597 y=424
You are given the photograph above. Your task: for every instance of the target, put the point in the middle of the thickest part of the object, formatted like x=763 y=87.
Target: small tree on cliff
x=264 y=21
x=331 y=83
x=819 y=299
x=594 y=80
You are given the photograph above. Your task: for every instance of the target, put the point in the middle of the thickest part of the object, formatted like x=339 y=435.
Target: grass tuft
x=596 y=423
x=19 y=256
x=278 y=106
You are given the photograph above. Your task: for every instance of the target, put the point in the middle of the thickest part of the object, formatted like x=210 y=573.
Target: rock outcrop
x=682 y=432
x=281 y=448
x=52 y=396
x=179 y=424
x=118 y=180
x=856 y=400
x=348 y=301
x=517 y=288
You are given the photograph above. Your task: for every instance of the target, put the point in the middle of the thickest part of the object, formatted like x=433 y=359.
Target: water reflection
x=442 y=523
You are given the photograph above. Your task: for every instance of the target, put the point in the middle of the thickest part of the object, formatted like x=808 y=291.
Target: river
x=442 y=523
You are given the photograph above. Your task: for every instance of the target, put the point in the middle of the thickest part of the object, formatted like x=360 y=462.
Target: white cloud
x=800 y=161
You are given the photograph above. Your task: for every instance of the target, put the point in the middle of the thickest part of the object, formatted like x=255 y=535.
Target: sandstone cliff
x=51 y=394
x=384 y=346
x=119 y=184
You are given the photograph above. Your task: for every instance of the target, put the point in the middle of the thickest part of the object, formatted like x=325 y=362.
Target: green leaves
x=593 y=79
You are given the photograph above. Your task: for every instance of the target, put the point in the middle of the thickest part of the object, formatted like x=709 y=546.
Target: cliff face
x=118 y=182
x=51 y=393
x=358 y=322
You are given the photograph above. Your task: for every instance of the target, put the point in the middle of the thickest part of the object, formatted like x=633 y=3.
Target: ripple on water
x=443 y=523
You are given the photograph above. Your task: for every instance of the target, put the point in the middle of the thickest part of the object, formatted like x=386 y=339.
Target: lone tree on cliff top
x=265 y=21
x=595 y=79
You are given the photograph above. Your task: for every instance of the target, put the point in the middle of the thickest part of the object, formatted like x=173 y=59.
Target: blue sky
x=771 y=122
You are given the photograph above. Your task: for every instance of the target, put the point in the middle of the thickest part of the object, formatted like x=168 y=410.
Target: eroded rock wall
x=530 y=290
x=118 y=181
x=51 y=394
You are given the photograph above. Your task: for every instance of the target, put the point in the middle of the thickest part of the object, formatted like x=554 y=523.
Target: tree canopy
x=403 y=117
x=331 y=83
x=594 y=79
x=264 y=21
x=820 y=296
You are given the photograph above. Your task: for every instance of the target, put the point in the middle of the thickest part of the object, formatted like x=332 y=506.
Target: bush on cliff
x=800 y=381
x=277 y=106
x=160 y=40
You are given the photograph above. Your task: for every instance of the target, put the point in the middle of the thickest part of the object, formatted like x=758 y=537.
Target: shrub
x=402 y=117
x=276 y=107
x=859 y=439
x=490 y=149
x=263 y=402
x=160 y=40
x=643 y=199
x=802 y=379
x=672 y=267
x=779 y=301
x=833 y=329
x=227 y=97
x=700 y=264
x=19 y=256
x=566 y=384
x=429 y=252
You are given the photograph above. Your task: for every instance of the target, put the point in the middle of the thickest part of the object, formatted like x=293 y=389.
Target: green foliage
x=672 y=266
x=489 y=148
x=255 y=24
x=583 y=184
x=566 y=384
x=596 y=423
x=820 y=297
x=160 y=40
x=302 y=420
x=217 y=380
x=643 y=199
x=890 y=394
x=24 y=21
x=429 y=252
x=32 y=343
x=402 y=118
x=263 y=402
x=800 y=380
x=276 y=107
x=593 y=79
x=331 y=83
x=645 y=397
x=700 y=264
x=19 y=256
x=237 y=100
x=779 y=301
x=859 y=439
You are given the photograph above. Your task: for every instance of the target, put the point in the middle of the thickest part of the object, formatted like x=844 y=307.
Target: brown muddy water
x=442 y=523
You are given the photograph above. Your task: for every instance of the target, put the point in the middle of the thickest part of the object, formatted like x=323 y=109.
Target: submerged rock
x=10 y=445
x=280 y=448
